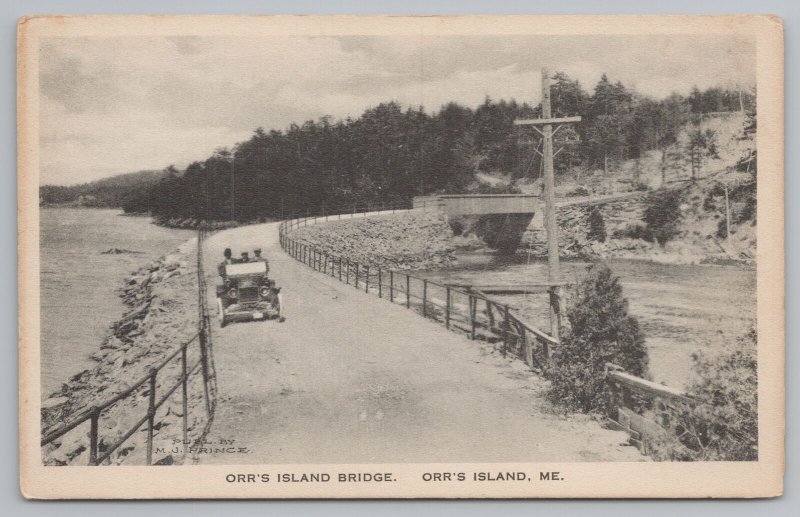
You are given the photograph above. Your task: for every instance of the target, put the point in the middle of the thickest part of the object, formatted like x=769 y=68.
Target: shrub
x=724 y=427
x=597 y=226
x=663 y=215
x=634 y=231
x=601 y=331
x=578 y=192
x=500 y=188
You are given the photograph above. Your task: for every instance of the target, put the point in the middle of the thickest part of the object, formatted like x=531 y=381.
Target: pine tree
x=597 y=226
x=601 y=331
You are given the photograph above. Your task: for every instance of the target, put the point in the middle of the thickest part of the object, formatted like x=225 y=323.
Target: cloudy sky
x=115 y=105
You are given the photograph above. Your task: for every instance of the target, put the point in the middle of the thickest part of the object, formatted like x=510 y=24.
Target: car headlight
x=264 y=292
x=232 y=293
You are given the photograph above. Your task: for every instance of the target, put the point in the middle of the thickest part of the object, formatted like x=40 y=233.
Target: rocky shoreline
x=162 y=314
x=695 y=244
x=401 y=241
x=423 y=241
x=190 y=223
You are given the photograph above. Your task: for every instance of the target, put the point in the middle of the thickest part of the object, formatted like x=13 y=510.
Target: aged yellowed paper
x=401 y=257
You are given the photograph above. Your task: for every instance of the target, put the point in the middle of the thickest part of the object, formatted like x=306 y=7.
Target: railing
x=149 y=384
x=649 y=412
x=469 y=311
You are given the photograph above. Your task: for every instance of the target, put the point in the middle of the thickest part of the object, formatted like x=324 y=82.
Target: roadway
x=349 y=378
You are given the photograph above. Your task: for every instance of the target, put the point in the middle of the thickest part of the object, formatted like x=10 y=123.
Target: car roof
x=246 y=268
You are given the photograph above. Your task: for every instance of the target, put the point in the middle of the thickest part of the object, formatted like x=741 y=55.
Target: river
x=79 y=299
x=682 y=309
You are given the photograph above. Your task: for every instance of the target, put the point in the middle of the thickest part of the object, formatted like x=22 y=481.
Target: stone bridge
x=499 y=219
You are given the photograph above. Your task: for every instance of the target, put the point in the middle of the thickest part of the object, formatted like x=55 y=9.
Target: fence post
x=340 y=269
x=185 y=389
x=93 y=438
x=490 y=314
x=380 y=284
x=391 y=286
x=506 y=330
x=473 y=308
x=447 y=310
x=526 y=345
x=204 y=367
x=151 y=415
x=366 y=279
x=424 y=298
x=348 y=271
x=358 y=270
x=408 y=292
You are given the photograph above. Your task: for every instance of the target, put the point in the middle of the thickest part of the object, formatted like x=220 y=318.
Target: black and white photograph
x=370 y=257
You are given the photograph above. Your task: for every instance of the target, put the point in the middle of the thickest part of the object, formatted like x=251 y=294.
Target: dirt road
x=349 y=378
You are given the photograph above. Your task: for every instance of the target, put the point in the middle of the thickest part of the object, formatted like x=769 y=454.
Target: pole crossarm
x=543 y=121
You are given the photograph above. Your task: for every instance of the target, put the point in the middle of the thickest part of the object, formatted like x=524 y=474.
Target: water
x=682 y=309
x=79 y=299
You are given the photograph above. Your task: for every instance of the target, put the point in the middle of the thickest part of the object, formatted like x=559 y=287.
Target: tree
x=663 y=215
x=597 y=226
x=660 y=123
x=701 y=145
x=601 y=331
x=609 y=115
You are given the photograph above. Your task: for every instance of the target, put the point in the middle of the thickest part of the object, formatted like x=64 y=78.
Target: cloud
x=117 y=104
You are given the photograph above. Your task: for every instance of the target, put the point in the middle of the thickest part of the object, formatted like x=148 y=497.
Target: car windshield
x=247 y=268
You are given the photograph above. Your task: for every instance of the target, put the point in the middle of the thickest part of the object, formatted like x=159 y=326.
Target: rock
x=54 y=402
x=117 y=251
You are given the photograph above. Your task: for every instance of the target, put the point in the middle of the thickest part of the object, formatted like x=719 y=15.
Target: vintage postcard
x=401 y=257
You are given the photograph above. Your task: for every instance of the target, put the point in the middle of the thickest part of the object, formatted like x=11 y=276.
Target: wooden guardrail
x=149 y=383
x=466 y=310
x=644 y=409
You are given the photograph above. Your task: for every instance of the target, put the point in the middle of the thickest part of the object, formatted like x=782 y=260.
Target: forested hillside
x=390 y=154
x=113 y=192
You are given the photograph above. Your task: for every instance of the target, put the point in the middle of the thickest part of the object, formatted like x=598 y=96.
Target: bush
x=663 y=215
x=500 y=188
x=601 y=331
x=634 y=231
x=578 y=192
x=724 y=427
x=597 y=226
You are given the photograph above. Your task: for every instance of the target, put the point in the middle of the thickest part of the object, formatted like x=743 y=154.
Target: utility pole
x=233 y=186
x=547 y=132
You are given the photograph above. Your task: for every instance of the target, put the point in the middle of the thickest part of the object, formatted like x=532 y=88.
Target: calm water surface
x=79 y=299
x=681 y=308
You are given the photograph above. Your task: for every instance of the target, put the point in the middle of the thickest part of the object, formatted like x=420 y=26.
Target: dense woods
x=390 y=154
x=113 y=192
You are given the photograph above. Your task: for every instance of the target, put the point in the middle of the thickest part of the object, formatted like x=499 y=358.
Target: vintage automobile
x=247 y=294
